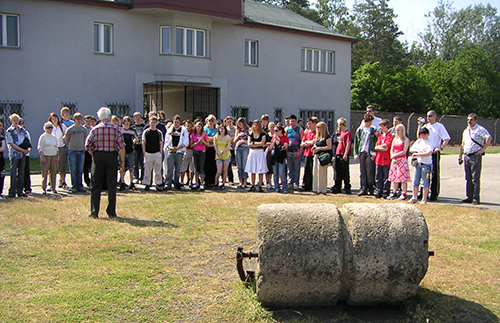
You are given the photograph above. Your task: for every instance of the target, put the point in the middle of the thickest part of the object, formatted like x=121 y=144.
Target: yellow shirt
x=221 y=145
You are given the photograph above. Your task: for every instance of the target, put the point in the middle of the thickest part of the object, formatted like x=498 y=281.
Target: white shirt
x=183 y=140
x=422 y=146
x=479 y=134
x=437 y=133
x=47 y=143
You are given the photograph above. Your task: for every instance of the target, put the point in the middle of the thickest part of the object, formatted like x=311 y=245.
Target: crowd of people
x=175 y=154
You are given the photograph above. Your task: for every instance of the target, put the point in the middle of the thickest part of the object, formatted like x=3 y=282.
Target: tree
x=450 y=31
x=390 y=89
x=467 y=84
x=334 y=14
x=375 y=26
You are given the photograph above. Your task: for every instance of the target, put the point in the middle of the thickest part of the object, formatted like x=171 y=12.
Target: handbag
x=25 y=144
x=324 y=158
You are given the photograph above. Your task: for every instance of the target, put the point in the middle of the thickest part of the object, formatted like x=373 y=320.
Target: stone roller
x=317 y=254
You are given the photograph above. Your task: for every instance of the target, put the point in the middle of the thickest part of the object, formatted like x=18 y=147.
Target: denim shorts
x=218 y=161
x=129 y=161
x=422 y=175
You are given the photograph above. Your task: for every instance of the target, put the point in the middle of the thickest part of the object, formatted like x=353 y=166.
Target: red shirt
x=344 y=138
x=308 y=136
x=104 y=137
x=383 y=158
x=283 y=139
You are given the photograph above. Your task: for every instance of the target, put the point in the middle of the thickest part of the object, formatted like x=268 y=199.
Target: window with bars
x=278 y=114
x=240 y=112
x=327 y=116
x=317 y=60
x=9 y=107
x=9 y=30
x=202 y=101
x=119 y=109
x=71 y=106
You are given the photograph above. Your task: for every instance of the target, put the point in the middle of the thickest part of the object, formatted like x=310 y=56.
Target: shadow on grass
x=427 y=306
x=144 y=223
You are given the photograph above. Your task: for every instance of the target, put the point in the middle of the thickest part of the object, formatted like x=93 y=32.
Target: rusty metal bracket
x=249 y=276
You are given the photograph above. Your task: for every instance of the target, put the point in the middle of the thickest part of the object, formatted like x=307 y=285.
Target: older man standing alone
x=104 y=142
x=475 y=140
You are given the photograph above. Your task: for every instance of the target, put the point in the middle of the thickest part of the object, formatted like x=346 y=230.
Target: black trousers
x=87 y=165
x=435 y=182
x=27 y=176
x=343 y=175
x=104 y=170
x=307 y=180
x=210 y=167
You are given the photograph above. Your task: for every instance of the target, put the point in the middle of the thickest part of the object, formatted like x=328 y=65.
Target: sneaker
x=260 y=189
x=132 y=187
x=402 y=197
x=413 y=200
x=65 y=186
x=122 y=186
x=178 y=186
x=285 y=192
x=393 y=196
x=159 y=188
x=269 y=186
x=424 y=201
x=202 y=187
x=252 y=189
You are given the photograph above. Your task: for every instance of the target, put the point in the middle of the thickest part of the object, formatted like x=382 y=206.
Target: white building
x=190 y=57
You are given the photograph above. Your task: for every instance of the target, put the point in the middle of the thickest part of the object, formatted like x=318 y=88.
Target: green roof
x=276 y=16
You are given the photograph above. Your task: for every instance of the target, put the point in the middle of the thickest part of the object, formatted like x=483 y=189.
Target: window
x=165 y=40
x=9 y=30
x=103 y=38
x=251 y=52
x=119 y=109
x=316 y=60
x=240 y=111
x=278 y=114
x=327 y=116
x=190 y=42
x=9 y=107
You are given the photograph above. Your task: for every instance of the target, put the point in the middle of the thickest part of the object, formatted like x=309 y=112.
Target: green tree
x=390 y=89
x=450 y=31
x=375 y=26
x=467 y=84
x=334 y=14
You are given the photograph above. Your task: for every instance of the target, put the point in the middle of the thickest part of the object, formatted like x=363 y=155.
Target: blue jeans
x=76 y=160
x=422 y=175
x=16 y=176
x=174 y=160
x=241 y=160
x=293 y=167
x=279 y=171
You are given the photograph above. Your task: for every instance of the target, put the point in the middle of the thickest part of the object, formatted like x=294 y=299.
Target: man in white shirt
x=176 y=140
x=438 y=139
x=376 y=120
x=475 y=140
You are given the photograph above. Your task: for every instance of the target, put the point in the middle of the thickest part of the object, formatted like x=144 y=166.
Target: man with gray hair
x=104 y=142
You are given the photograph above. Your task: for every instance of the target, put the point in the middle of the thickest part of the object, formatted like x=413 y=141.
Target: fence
x=454 y=124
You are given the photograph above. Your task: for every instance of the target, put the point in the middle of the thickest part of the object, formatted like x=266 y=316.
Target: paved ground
x=452 y=182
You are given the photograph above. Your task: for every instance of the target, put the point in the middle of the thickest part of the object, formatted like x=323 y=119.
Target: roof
x=279 y=17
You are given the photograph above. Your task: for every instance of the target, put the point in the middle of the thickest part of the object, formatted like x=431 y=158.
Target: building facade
x=193 y=59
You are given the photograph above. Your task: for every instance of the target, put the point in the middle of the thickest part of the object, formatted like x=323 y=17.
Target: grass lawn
x=170 y=257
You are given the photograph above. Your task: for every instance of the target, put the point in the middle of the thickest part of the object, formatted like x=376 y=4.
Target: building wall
x=56 y=63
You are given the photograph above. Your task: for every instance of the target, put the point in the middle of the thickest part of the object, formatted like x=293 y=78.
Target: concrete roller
x=317 y=254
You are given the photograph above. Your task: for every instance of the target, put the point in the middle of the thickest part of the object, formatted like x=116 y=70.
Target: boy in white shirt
x=422 y=151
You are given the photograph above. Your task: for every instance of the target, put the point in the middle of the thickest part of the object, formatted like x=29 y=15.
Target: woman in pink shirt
x=399 y=171
x=198 y=141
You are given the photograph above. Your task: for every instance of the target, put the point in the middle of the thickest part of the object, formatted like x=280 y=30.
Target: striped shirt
x=104 y=137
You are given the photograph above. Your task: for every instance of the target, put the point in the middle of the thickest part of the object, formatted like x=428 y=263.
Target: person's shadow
x=143 y=223
x=427 y=306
